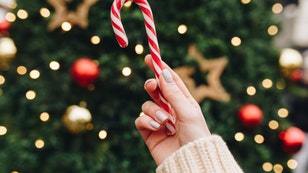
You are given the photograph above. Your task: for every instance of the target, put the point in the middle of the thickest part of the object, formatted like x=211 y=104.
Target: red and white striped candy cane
x=153 y=44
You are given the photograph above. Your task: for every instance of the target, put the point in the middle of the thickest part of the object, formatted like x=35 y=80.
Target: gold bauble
x=7 y=48
x=290 y=58
x=77 y=119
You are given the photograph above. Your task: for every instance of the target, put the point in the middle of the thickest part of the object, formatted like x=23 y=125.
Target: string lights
x=34 y=74
x=235 y=41
x=54 y=65
x=44 y=116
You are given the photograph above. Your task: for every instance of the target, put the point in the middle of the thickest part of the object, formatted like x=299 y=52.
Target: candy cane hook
x=153 y=44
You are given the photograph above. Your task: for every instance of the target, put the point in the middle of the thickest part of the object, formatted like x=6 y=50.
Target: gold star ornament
x=214 y=68
x=62 y=14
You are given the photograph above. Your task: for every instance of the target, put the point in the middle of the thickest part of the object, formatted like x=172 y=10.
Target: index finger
x=176 y=78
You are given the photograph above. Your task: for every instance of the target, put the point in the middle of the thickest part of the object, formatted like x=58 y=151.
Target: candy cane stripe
x=153 y=45
x=154 y=48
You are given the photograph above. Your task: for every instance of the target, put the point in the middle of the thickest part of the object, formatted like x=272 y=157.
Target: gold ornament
x=7 y=48
x=77 y=119
x=290 y=60
x=214 y=90
x=8 y=52
x=62 y=14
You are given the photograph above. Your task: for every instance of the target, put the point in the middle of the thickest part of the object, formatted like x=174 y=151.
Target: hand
x=190 y=123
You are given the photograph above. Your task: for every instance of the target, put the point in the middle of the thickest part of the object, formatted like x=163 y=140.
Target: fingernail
x=154 y=124
x=161 y=116
x=167 y=76
x=147 y=82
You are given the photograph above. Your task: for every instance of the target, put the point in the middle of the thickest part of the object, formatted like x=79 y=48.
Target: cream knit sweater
x=205 y=155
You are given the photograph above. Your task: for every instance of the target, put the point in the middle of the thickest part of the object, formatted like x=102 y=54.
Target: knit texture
x=205 y=155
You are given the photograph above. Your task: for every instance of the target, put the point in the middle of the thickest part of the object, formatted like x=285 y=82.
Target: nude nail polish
x=161 y=116
x=154 y=124
x=167 y=76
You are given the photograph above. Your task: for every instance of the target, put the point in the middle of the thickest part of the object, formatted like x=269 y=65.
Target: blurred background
x=69 y=94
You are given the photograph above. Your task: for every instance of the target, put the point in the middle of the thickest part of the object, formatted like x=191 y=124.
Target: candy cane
x=153 y=44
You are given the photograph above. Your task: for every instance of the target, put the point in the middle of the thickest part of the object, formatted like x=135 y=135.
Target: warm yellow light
x=39 y=143
x=273 y=124
x=267 y=167
x=30 y=95
x=245 y=1
x=278 y=168
x=44 y=116
x=281 y=84
x=267 y=83
x=21 y=70
x=128 y=4
x=54 y=65
x=95 y=39
x=126 y=71
x=292 y=164
x=10 y=17
x=277 y=8
x=22 y=14
x=102 y=134
x=3 y=130
x=34 y=74
x=259 y=139
x=139 y=49
x=141 y=114
x=44 y=12
x=182 y=29
x=236 y=41
x=251 y=90
x=2 y=80
x=239 y=136
x=66 y=26
x=283 y=113
x=272 y=30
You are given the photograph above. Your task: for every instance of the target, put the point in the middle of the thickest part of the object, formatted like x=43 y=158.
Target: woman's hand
x=190 y=123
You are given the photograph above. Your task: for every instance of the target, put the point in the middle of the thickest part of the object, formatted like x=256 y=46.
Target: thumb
x=172 y=92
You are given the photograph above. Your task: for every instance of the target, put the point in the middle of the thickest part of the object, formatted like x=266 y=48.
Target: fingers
x=176 y=78
x=145 y=122
x=155 y=112
x=146 y=125
x=173 y=93
x=153 y=120
x=151 y=87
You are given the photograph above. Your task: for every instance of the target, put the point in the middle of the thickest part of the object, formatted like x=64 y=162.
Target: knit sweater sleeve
x=205 y=155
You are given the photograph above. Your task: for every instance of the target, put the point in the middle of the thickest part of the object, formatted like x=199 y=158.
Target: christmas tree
x=70 y=96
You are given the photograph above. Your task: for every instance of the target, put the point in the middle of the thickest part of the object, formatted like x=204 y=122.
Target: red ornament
x=250 y=115
x=84 y=71
x=296 y=75
x=292 y=139
x=4 y=25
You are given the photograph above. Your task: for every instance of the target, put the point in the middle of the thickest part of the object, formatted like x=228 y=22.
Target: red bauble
x=292 y=139
x=84 y=71
x=4 y=25
x=296 y=75
x=250 y=115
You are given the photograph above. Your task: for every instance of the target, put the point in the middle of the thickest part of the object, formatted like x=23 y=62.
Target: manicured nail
x=167 y=76
x=147 y=82
x=154 y=124
x=162 y=117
